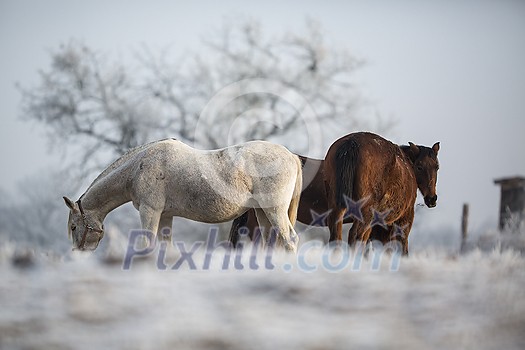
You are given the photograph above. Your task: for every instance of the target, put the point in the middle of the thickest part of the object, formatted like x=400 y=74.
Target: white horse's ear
x=69 y=203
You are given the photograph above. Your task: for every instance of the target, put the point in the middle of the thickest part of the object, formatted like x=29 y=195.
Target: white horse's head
x=83 y=230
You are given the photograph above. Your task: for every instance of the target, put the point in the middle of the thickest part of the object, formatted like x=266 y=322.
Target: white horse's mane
x=122 y=159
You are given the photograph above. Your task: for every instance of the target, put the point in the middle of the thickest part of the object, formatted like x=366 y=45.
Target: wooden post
x=464 y=227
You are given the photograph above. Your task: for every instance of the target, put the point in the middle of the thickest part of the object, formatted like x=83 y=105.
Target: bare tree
x=95 y=108
x=83 y=100
x=105 y=108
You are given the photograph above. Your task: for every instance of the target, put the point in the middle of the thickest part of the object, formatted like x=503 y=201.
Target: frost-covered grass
x=436 y=299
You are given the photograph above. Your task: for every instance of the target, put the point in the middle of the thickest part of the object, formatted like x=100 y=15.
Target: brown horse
x=314 y=208
x=375 y=182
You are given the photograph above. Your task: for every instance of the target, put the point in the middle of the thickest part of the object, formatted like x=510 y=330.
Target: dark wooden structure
x=512 y=203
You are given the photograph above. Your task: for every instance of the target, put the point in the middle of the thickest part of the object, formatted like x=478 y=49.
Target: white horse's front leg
x=150 y=217
x=164 y=230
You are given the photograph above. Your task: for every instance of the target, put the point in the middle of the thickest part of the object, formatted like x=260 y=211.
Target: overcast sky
x=448 y=71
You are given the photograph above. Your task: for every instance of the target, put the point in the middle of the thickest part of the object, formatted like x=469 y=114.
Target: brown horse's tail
x=346 y=160
x=294 y=203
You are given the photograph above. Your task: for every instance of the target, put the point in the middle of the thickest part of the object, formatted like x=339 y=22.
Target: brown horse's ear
x=435 y=148
x=69 y=203
x=414 y=149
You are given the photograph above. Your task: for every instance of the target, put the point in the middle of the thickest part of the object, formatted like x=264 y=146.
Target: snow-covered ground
x=434 y=299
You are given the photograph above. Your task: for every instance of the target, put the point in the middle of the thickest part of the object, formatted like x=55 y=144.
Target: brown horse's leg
x=236 y=225
x=380 y=234
x=404 y=242
x=246 y=224
x=361 y=230
x=362 y=233
x=401 y=229
x=335 y=224
x=359 y=233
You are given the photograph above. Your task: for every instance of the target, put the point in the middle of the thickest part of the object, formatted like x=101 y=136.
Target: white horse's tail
x=294 y=203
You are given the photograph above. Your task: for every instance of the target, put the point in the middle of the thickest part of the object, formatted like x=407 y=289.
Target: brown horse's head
x=426 y=166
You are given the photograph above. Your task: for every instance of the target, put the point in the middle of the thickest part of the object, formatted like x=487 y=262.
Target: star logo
x=379 y=218
x=398 y=231
x=319 y=219
x=353 y=208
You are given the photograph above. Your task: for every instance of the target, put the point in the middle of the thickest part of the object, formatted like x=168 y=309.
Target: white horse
x=167 y=178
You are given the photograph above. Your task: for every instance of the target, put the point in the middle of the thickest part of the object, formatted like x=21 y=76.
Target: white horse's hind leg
x=264 y=224
x=294 y=237
x=277 y=219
